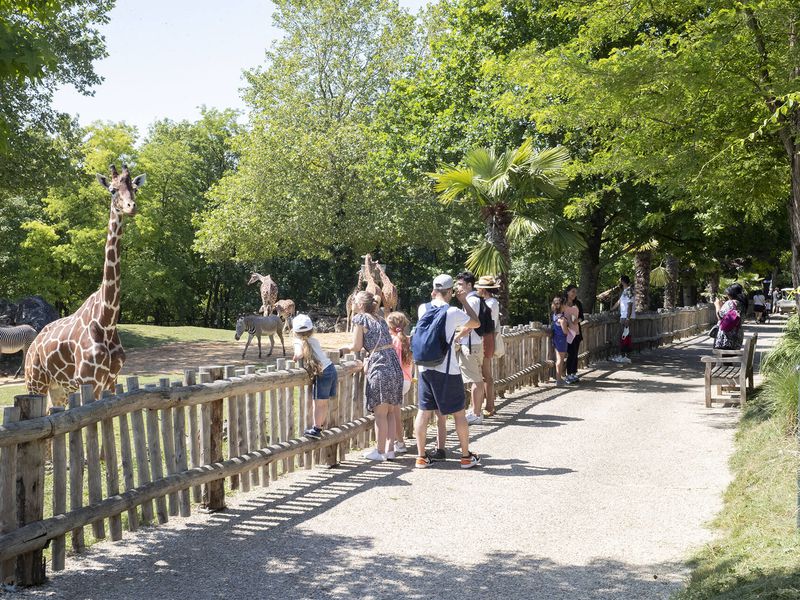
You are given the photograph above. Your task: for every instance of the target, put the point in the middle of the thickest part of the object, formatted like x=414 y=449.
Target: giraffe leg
x=57 y=395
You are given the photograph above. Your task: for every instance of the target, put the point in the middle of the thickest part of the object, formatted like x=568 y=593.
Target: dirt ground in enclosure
x=171 y=359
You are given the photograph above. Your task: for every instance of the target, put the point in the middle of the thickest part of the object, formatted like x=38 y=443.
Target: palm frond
x=548 y=161
x=454 y=182
x=522 y=227
x=483 y=162
x=563 y=238
x=659 y=277
x=485 y=259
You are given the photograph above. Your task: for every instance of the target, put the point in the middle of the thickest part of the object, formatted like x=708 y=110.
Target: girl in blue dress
x=560 y=328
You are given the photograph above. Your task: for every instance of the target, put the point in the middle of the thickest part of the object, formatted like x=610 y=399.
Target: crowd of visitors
x=452 y=347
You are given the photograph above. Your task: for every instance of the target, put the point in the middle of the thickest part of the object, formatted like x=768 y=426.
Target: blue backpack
x=429 y=344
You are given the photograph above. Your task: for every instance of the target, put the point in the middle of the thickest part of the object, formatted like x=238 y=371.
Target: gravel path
x=598 y=491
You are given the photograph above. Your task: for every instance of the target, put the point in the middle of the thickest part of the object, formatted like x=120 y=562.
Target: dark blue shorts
x=441 y=391
x=325 y=384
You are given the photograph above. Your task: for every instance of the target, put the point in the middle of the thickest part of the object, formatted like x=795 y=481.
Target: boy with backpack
x=470 y=351
x=441 y=388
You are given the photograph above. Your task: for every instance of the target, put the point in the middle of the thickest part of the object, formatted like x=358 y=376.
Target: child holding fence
x=319 y=366
x=560 y=332
x=398 y=322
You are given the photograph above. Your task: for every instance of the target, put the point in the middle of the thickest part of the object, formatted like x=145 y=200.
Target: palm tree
x=513 y=191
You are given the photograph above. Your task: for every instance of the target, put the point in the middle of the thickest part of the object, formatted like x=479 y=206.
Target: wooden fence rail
x=143 y=455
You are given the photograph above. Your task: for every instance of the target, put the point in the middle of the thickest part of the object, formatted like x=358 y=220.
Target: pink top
x=398 y=347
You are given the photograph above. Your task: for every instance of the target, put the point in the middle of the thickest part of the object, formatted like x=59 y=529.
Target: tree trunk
x=497 y=223
x=794 y=219
x=713 y=285
x=590 y=261
x=643 y=264
x=671 y=289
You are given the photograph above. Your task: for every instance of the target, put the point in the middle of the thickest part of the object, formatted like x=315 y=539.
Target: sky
x=169 y=57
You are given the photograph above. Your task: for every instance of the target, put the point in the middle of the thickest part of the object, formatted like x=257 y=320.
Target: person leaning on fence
x=319 y=366
x=560 y=330
x=730 y=333
x=470 y=351
x=627 y=312
x=384 y=375
x=441 y=388
x=573 y=311
x=398 y=322
x=487 y=287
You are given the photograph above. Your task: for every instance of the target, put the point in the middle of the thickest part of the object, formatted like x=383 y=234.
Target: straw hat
x=487 y=282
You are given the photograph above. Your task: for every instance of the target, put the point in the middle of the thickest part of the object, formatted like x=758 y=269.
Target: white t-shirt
x=494 y=305
x=475 y=302
x=759 y=299
x=626 y=302
x=323 y=359
x=455 y=319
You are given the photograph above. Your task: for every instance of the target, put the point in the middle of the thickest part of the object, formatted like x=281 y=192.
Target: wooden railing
x=162 y=448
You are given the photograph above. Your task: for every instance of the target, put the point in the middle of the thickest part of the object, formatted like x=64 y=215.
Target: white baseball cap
x=442 y=282
x=302 y=323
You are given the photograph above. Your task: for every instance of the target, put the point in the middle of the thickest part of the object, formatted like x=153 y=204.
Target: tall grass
x=781 y=377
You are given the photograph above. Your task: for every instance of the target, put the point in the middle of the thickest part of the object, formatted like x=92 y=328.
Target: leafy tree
x=302 y=187
x=511 y=191
x=673 y=91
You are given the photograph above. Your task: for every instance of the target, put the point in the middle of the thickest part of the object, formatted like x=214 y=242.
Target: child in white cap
x=319 y=366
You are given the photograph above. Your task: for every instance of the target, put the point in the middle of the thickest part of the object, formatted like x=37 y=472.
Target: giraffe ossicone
x=84 y=348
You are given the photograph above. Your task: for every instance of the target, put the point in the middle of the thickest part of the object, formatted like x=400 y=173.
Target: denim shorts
x=441 y=391
x=325 y=384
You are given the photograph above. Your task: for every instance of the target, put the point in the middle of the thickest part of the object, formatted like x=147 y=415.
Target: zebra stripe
x=14 y=339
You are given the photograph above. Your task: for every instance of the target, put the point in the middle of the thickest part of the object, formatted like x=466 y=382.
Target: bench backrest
x=750 y=350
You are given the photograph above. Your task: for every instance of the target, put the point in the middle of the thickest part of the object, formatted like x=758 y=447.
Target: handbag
x=712 y=333
x=499 y=345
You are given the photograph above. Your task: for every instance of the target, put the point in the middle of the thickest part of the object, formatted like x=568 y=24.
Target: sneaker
x=616 y=359
x=313 y=432
x=473 y=419
x=423 y=462
x=390 y=455
x=469 y=461
x=400 y=448
x=561 y=383
x=439 y=454
x=624 y=360
x=374 y=455
x=572 y=379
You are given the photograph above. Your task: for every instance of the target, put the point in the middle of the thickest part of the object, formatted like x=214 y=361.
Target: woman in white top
x=487 y=287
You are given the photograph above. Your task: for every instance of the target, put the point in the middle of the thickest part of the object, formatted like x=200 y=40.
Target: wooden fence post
x=30 y=568
x=214 y=491
x=58 y=546
x=8 y=493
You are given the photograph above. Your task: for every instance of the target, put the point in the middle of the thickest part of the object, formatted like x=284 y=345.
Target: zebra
x=14 y=339
x=256 y=325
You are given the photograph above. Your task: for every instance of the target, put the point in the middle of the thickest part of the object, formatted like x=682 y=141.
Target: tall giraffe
x=269 y=292
x=388 y=289
x=369 y=276
x=351 y=300
x=84 y=348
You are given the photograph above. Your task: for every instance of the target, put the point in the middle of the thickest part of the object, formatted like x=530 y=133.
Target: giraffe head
x=253 y=278
x=123 y=189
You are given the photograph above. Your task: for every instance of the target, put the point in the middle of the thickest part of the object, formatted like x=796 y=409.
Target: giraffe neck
x=109 y=292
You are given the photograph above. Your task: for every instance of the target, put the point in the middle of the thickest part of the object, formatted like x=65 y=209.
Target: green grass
x=757 y=554
x=151 y=336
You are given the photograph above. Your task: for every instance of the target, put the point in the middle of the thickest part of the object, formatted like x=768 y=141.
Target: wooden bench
x=732 y=369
